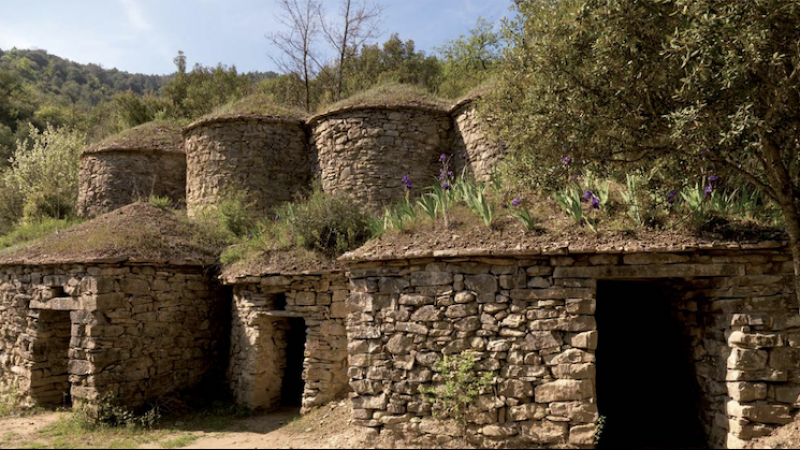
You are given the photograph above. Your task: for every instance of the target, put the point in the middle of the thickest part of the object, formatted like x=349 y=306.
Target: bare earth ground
x=326 y=428
x=784 y=437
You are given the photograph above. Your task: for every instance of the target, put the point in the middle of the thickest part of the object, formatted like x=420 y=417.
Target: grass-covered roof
x=162 y=136
x=388 y=96
x=139 y=232
x=256 y=105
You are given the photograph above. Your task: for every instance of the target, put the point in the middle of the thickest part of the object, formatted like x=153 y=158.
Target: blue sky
x=145 y=35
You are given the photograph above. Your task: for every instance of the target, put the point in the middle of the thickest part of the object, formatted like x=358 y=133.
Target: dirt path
x=326 y=428
x=323 y=429
x=24 y=429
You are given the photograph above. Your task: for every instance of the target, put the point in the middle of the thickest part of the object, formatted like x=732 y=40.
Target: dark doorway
x=293 y=384
x=646 y=384
x=50 y=372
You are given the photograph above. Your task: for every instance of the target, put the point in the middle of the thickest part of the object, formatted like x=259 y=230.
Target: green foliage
x=632 y=197
x=34 y=230
x=600 y=428
x=162 y=203
x=571 y=201
x=461 y=384
x=479 y=204
x=43 y=178
x=429 y=204
x=330 y=224
x=523 y=216
x=233 y=213
x=469 y=61
x=397 y=216
x=107 y=412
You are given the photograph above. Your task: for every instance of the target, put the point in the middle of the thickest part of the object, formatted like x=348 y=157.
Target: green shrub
x=108 y=413
x=162 y=203
x=330 y=224
x=35 y=229
x=42 y=180
x=460 y=385
x=232 y=214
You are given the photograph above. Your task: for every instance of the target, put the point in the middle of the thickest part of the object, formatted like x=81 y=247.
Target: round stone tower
x=251 y=147
x=366 y=147
x=134 y=165
x=473 y=146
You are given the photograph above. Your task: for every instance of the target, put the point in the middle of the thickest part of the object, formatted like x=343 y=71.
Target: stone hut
x=251 y=147
x=289 y=341
x=697 y=345
x=364 y=148
x=474 y=149
x=145 y=161
x=104 y=311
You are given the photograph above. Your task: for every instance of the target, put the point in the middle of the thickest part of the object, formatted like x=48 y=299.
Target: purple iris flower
x=672 y=197
x=709 y=191
x=443 y=158
x=713 y=179
x=595 y=203
x=566 y=160
x=407 y=182
x=588 y=195
x=516 y=202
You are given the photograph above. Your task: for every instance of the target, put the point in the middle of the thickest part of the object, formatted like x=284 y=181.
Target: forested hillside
x=41 y=88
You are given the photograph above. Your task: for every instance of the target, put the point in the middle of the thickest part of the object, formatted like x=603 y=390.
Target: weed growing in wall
x=460 y=386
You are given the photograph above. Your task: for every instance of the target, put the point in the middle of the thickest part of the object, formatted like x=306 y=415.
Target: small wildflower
x=595 y=203
x=407 y=184
x=443 y=158
x=709 y=191
x=712 y=180
x=672 y=197
x=516 y=202
x=566 y=160
x=588 y=195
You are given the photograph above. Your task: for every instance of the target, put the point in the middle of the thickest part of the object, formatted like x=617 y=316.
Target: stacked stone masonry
x=112 y=179
x=128 y=333
x=264 y=157
x=532 y=322
x=262 y=306
x=473 y=147
x=366 y=152
x=363 y=152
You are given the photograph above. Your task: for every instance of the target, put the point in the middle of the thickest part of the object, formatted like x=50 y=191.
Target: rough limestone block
x=747 y=392
x=564 y=391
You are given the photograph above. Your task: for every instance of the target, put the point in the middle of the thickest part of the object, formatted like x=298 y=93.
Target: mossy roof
x=259 y=106
x=136 y=233
x=468 y=237
x=158 y=136
x=287 y=262
x=388 y=96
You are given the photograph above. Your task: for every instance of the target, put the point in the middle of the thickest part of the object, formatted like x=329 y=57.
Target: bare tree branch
x=358 y=22
x=297 y=43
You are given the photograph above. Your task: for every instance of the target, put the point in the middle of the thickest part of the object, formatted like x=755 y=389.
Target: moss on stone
x=389 y=96
x=158 y=135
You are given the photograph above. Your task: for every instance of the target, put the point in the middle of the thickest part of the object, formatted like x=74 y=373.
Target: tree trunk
x=791 y=212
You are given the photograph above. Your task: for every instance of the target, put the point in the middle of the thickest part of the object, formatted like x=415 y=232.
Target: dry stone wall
x=128 y=332
x=473 y=147
x=531 y=319
x=266 y=158
x=366 y=152
x=112 y=179
x=262 y=306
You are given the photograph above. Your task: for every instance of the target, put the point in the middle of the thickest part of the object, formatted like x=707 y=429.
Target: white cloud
x=143 y=30
x=135 y=15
